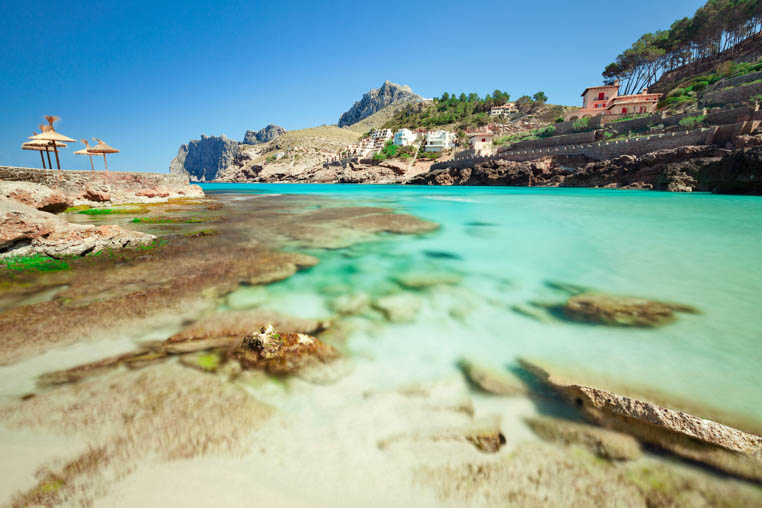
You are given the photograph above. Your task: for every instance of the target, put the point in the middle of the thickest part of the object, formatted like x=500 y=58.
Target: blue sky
x=148 y=76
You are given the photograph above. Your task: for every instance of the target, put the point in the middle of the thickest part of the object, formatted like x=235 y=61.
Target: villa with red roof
x=605 y=100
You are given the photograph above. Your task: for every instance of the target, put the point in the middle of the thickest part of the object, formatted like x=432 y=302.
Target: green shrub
x=560 y=119
x=546 y=132
x=692 y=121
x=581 y=124
x=698 y=86
x=429 y=155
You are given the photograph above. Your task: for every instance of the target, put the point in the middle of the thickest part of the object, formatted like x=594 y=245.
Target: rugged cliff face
x=201 y=159
x=377 y=99
x=263 y=135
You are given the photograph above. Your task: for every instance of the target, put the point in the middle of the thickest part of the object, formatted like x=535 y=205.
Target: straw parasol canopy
x=103 y=148
x=84 y=151
x=27 y=146
x=50 y=134
x=42 y=146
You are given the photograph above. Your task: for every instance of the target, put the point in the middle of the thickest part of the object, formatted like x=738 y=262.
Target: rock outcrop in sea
x=202 y=159
x=263 y=135
x=389 y=93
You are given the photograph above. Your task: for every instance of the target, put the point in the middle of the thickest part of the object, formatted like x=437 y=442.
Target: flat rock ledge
x=720 y=446
x=25 y=231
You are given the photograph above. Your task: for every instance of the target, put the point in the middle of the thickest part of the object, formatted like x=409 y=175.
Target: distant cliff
x=377 y=99
x=264 y=135
x=201 y=159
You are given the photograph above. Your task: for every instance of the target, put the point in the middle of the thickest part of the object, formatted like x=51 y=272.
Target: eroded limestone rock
x=282 y=353
x=25 y=231
x=723 y=447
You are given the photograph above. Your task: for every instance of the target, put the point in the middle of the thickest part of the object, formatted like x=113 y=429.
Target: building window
x=624 y=111
x=600 y=96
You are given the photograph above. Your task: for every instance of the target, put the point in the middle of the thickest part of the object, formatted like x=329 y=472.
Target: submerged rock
x=484 y=434
x=604 y=443
x=616 y=310
x=423 y=280
x=226 y=329
x=400 y=307
x=282 y=353
x=538 y=474
x=691 y=437
x=497 y=382
x=585 y=305
x=354 y=303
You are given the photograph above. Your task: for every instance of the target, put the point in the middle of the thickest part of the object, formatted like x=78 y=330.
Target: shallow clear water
x=698 y=249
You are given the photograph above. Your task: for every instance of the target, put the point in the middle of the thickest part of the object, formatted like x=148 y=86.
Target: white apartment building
x=404 y=137
x=508 y=107
x=439 y=141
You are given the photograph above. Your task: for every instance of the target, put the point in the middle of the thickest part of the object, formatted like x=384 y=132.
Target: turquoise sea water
x=699 y=249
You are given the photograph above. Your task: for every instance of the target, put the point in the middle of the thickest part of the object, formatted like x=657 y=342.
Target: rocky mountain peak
x=263 y=135
x=387 y=94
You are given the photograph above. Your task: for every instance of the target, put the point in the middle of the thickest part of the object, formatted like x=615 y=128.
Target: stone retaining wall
x=636 y=124
x=598 y=151
x=739 y=80
x=726 y=116
x=731 y=95
x=567 y=139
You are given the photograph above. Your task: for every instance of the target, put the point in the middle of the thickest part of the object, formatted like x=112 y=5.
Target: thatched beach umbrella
x=103 y=148
x=84 y=151
x=42 y=146
x=52 y=136
x=36 y=148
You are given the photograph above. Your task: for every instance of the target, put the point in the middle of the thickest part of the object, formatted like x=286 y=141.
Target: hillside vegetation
x=468 y=112
x=716 y=27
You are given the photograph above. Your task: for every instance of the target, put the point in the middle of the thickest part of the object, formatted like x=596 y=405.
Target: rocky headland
x=202 y=159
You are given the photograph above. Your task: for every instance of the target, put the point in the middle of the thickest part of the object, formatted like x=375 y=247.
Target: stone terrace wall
x=598 y=151
x=731 y=95
x=636 y=124
x=567 y=139
x=739 y=80
x=106 y=186
x=726 y=116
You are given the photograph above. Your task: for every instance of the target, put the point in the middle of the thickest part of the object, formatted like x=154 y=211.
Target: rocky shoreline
x=30 y=198
x=684 y=169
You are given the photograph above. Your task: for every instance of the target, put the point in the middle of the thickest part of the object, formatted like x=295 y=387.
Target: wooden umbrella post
x=55 y=149
x=42 y=158
x=50 y=164
x=92 y=168
x=104 y=161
